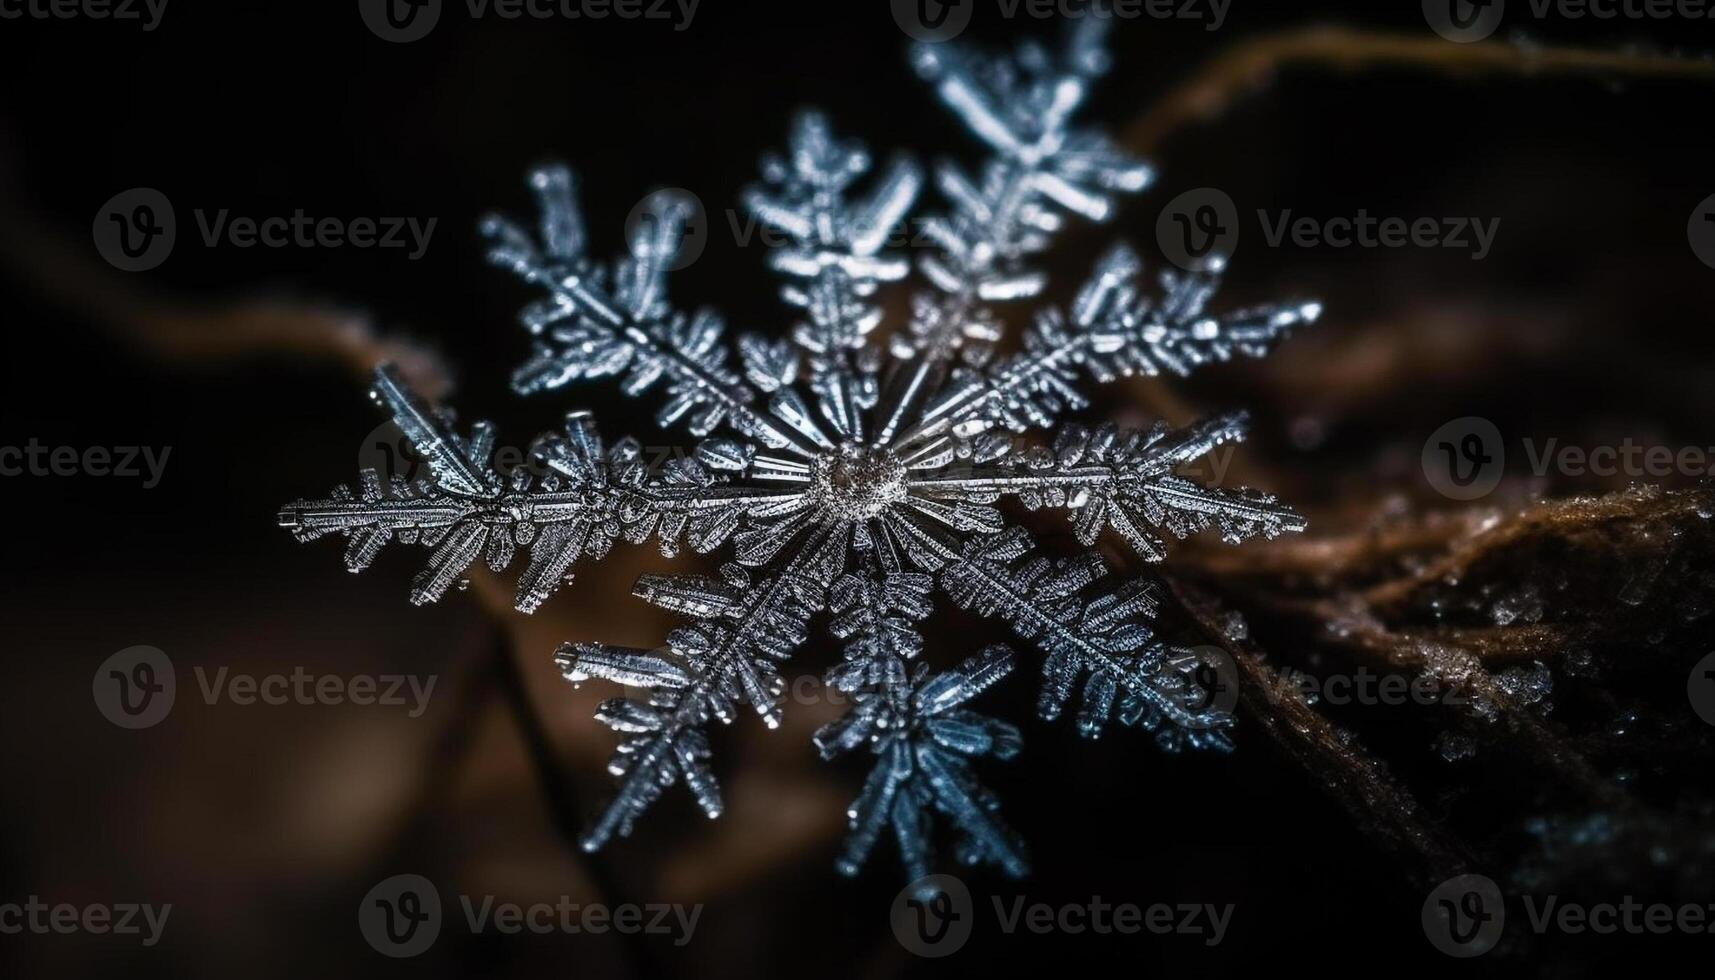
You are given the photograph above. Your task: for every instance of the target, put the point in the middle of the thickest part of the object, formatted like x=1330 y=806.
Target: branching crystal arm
x=592 y=325
x=1128 y=480
x=924 y=743
x=573 y=499
x=1104 y=636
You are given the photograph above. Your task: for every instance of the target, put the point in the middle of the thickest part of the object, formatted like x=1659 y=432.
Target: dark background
x=264 y=826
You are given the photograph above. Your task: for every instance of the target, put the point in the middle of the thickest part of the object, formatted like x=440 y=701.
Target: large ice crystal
x=852 y=479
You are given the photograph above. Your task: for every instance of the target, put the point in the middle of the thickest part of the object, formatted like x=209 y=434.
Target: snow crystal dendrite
x=852 y=480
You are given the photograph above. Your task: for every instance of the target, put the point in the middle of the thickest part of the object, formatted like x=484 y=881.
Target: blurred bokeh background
x=264 y=826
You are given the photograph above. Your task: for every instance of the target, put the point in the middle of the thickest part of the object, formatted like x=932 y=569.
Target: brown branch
x=1247 y=67
x=1346 y=771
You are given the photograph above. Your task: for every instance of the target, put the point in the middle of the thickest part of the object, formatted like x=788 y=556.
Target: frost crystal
x=850 y=479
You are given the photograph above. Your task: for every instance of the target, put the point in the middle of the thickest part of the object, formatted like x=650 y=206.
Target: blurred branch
x=1251 y=65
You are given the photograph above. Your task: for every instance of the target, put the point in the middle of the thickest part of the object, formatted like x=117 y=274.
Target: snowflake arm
x=1123 y=479
x=834 y=261
x=1021 y=107
x=581 y=499
x=594 y=325
x=727 y=656
x=1111 y=331
x=924 y=743
x=1104 y=636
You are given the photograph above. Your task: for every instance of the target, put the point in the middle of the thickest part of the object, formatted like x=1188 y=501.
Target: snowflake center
x=858 y=482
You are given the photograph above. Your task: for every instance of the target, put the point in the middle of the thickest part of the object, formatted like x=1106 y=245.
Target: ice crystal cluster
x=850 y=474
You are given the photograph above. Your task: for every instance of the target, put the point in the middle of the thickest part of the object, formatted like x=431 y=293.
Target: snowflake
x=851 y=478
